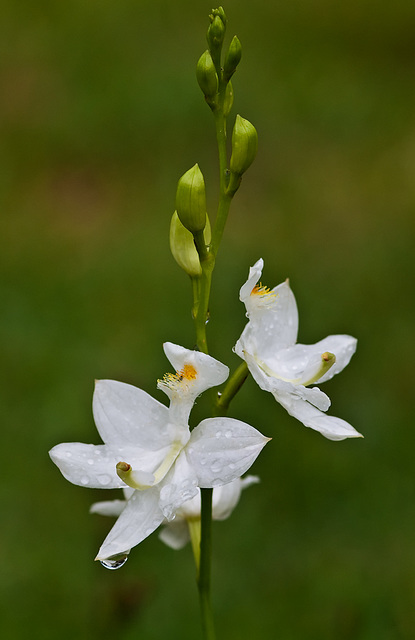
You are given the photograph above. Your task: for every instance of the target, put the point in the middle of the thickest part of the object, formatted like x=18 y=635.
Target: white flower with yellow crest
x=286 y=369
x=150 y=448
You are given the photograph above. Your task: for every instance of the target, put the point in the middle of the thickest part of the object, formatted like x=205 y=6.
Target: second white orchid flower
x=286 y=369
x=149 y=447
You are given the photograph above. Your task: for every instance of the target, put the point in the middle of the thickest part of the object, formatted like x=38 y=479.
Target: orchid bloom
x=286 y=369
x=150 y=449
x=176 y=533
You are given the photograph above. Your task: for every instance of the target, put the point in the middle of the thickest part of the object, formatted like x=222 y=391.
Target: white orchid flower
x=149 y=447
x=286 y=369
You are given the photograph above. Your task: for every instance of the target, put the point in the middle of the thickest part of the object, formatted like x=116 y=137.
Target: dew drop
x=68 y=454
x=115 y=562
x=104 y=479
x=84 y=480
x=203 y=461
x=228 y=434
x=90 y=461
x=216 y=466
x=218 y=434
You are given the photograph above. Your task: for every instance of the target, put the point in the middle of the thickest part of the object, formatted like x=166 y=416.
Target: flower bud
x=191 y=200
x=244 y=145
x=232 y=59
x=183 y=247
x=228 y=101
x=216 y=33
x=206 y=76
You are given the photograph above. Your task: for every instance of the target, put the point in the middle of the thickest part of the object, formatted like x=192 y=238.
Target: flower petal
x=329 y=426
x=87 y=465
x=175 y=534
x=222 y=449
x=108 y=507
x=137 y=521
x=128 y=415
x=314 y=395
x=208 y=372
x=255 y=273
x=226 y=497
x=271 y=327
x=179 y=485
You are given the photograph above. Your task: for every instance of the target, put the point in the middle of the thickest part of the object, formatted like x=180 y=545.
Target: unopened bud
x=206 y=76
x=216 y=33
x=183 y=247
x=244 y=145
x=232 y=59
x=191 y=200
x=228 y=101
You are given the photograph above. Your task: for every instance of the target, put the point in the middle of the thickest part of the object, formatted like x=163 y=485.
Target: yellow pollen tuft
x=260 y=290
x=188 y=373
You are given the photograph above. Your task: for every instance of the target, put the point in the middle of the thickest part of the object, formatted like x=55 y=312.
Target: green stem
x=204 y=567
x=232 y=387
x=225 y=198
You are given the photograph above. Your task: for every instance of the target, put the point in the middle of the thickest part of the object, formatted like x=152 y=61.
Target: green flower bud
x=221 y=13
x=191 y=200
x=206 y=76
x=232 y=59
x=244 y=145
x=216 y=33
x=183 y=247
x=228 y=101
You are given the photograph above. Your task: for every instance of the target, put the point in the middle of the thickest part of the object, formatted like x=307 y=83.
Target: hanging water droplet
x=207 y=317
x=115 y=562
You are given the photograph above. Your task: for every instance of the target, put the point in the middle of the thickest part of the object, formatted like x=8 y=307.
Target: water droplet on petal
x=218 y=434
x=228 y=434
x=90 y=461
x=85 y=480
x=68 y=454
x=115 y=562
x=104 y=479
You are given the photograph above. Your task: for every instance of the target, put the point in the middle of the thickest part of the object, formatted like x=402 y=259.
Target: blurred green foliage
x=100 y=115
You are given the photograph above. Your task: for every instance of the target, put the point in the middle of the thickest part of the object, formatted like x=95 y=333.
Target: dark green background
x=100 y=114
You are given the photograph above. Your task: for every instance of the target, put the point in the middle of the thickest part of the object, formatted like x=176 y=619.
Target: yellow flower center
x=176 y=380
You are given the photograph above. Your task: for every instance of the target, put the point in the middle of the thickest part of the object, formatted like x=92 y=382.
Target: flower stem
x=232 y=387
x=204 y=567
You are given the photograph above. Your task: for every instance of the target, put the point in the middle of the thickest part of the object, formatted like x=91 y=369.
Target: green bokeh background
x=99 y=116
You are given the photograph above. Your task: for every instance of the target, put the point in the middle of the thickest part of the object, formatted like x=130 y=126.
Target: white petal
x=329 y=426
x=138 y=520
x=87 y=465
x=255 y=273
x=179 y=485
x=125 y=414
x=209 y=372
x=222 y=449
x=277 y=386
x=226 y=497
x=271 y=327
x=343 y=347
x=175 y=534
x=108 y=507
